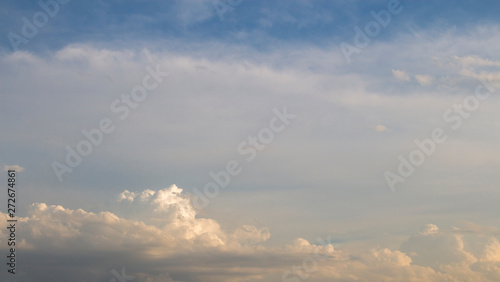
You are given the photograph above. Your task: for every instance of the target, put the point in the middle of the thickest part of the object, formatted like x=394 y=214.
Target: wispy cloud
x=401 y=75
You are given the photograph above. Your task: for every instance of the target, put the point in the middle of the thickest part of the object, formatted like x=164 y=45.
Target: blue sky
x=212 y=84
x=318 y=23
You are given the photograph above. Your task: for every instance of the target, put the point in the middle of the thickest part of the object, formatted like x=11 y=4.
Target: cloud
x=158 y=230
x=381 y=128
x=175 y=234
x=172 y=212
x=429 y=229
x=457 y=252
x=432 y=248
x=179 y=246
x=17 y=168
x=401 y=75
x=473 y=67
x=475 y=61
x=424 y=80
x=251 y=235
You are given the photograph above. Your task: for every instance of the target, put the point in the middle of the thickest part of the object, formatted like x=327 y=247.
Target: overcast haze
x=251 y=140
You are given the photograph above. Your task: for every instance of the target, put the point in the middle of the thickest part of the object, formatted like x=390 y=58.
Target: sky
x=240 y=140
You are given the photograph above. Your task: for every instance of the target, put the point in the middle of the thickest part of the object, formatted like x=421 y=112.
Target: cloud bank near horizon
x=163 y=232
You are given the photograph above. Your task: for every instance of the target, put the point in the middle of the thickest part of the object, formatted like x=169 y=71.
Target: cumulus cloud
x=183 y=247
x=432 y=254
x=174 y=234
x=456 y=252
x=172 y=212
x=432 y=248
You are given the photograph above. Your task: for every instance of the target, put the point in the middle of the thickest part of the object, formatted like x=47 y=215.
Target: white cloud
x=473 y=67
x=475 y=61
x=401 y=75
x=184 y=247
x=424 y=80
